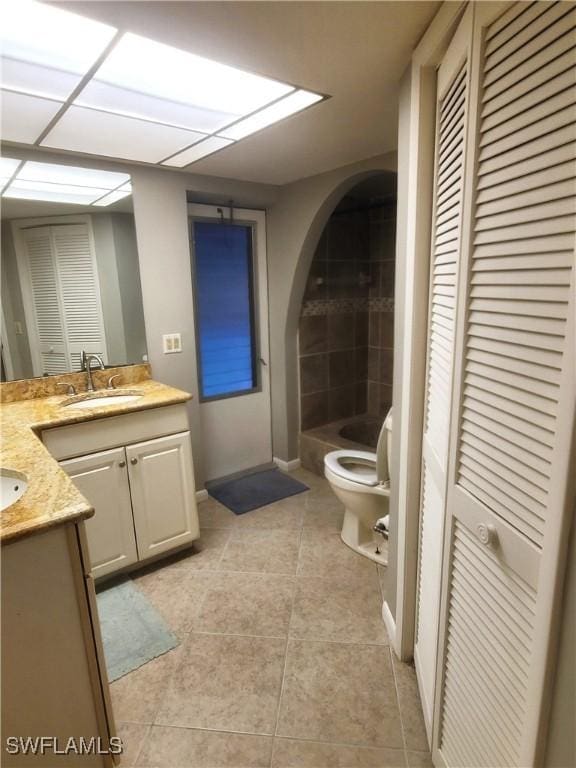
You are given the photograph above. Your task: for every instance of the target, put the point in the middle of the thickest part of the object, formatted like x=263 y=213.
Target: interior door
x=510 y=481
x=229 y=272
x=450 y=149
x=59 y=278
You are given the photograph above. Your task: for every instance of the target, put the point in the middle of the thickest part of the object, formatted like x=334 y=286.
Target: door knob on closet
x=487 y=534
x=134 y=461
x=122 y=464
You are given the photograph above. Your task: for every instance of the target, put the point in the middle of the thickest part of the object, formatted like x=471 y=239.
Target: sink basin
x=101 y=399
x=13 y=485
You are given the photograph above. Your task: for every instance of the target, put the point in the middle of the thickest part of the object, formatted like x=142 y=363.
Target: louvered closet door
x=42 y=299
x=510 y=439
x=62 y=296
x=80 y=291
x=451 y=114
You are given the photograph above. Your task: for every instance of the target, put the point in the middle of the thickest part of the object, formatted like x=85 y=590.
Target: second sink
x=101 y=399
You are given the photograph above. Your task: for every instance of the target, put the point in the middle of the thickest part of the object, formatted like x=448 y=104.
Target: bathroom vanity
x=136 y=469
x=109 y=484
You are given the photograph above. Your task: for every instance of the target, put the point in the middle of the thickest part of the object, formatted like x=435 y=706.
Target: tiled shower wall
x=345 y=331
x=382 y=227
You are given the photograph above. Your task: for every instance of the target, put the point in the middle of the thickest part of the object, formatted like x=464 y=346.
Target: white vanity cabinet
x=142 y=490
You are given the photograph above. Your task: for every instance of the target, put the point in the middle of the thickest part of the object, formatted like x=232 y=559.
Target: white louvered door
x=450 y=148
x=511 y=432
x=44 y=311
x=61 y=295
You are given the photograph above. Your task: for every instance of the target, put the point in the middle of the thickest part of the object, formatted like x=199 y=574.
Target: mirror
x=70 y=278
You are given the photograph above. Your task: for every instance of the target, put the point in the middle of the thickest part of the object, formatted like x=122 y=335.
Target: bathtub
x=358 y=432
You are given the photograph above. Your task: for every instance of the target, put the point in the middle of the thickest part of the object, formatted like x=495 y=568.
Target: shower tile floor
x=283 y=660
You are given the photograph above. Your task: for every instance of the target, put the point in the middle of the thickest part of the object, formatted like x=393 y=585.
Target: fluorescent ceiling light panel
x=46 y=50
x=7 y=167
x=61 y=193
x=124 y=102
x=23 y=118
x=208 y=147
x=102 y=133
x=154 y=69
x=291 y=104
x=112 y=197
x=71 y=174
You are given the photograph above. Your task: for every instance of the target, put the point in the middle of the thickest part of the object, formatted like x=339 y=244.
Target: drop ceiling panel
x=112 y=98
x=38 y=80
x=34 y=190
x=207 y=147
x=70 y=174
x=150 y=67
x=24 y=117
x=102 y=133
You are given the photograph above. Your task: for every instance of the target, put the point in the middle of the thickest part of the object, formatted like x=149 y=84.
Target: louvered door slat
x=527 y=166
x=539 y=42
x=552 y=61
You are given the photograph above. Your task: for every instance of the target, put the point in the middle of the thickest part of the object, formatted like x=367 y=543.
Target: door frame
x=257 y=219
x=415 y=195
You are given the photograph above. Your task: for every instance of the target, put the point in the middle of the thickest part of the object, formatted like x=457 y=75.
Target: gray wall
x=160 y=210
x=13 y=308
x=124 y=232
x=110 y=295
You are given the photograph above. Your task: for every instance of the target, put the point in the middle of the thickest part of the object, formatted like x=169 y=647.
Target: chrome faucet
x=86 y=360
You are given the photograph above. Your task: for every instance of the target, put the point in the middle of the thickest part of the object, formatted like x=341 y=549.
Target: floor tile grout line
x=294 y=590
x=205 y=729
x=397 y=689
x=139 y=751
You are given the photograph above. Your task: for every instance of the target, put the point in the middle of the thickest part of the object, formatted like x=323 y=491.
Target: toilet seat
x=333 y=462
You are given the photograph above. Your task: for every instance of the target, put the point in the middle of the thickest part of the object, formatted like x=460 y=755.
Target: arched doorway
x=345 y=324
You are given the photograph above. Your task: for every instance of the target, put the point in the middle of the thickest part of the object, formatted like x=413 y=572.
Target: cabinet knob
x=121 y=463
x=134 y=461
x=487 y=534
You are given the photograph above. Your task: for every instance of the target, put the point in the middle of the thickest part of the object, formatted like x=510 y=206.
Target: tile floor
x=284 y=659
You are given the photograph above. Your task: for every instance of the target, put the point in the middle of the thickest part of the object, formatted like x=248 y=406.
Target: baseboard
x=390 y=624
x=287 y=466
x=201 y=495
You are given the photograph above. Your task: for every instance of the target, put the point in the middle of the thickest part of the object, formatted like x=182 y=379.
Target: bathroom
x=243 y=323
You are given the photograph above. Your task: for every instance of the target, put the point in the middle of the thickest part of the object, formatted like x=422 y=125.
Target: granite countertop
x=51 y=497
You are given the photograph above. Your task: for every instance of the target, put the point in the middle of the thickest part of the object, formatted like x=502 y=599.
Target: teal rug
x=133 y=632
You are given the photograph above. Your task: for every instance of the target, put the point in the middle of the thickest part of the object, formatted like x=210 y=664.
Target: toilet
x=361 y=480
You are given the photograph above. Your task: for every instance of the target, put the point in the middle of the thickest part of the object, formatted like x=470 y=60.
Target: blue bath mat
x=256 y=490
x=132 y=630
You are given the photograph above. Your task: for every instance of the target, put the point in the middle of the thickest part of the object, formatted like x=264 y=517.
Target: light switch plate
x=171 y=343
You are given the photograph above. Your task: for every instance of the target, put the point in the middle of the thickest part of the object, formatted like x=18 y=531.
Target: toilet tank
x=384 y=450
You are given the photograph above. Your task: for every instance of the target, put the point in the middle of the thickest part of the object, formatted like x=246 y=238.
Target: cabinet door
x=103 y=479
x=163 y=496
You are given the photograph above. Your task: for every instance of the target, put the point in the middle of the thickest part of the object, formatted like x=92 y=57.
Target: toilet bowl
x=361 y=480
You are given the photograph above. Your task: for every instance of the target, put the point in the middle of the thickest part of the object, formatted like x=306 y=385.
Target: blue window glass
x=224 y=308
